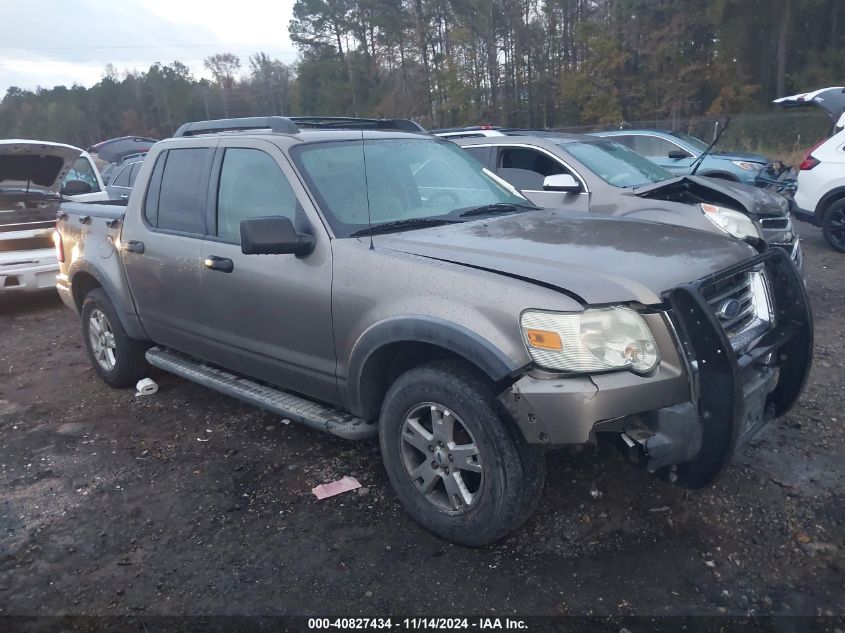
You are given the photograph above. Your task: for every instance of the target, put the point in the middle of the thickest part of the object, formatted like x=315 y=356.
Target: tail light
x=60 y=248
x=808 y=163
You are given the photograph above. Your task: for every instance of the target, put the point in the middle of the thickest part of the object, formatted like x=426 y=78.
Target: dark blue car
x=677 y=152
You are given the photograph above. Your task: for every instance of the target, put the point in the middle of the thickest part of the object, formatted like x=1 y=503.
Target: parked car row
x=366 y=278
x=598 y=175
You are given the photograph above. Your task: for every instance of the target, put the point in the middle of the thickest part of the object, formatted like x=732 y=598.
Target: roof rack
x=466 y=128
x=348 y=122
x=291 y=125
x=279 y=124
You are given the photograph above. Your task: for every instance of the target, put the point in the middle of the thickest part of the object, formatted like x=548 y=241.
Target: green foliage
x=453 y=62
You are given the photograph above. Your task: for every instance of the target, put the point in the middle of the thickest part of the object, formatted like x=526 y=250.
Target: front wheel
x=833 y=226
x=118 y=359
x=461 y=469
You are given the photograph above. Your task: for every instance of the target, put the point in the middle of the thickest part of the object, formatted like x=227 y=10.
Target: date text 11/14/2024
x=418 y=623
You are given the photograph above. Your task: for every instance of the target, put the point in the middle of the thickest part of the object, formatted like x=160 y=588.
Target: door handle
x=134 y=246
x=222 y=264
x=124 y=196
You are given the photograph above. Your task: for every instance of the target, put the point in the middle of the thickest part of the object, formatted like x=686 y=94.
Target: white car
x=34 y=177
x=820 y=198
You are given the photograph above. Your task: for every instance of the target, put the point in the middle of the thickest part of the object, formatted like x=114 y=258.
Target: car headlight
x=730 y=221
x=742 y=164
x=594 y=340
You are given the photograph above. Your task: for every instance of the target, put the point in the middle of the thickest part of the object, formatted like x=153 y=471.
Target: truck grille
x=742 y=306
x=780 y=224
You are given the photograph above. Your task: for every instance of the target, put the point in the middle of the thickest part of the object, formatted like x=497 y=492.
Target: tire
x=496 y=489
x=833 y=226
x=118 y=360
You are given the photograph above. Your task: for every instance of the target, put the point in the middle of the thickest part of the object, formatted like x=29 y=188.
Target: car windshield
x=616 y=164
x=696 y=143
x=405 y=180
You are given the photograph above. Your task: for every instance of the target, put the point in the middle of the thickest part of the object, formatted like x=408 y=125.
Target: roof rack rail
x=279 y=124
x=348 y=122
x=466 y=128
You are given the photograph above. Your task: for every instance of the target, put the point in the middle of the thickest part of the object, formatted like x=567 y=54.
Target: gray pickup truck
x=380 y=281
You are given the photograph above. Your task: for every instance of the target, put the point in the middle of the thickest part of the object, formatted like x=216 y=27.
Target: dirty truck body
x=393 y=287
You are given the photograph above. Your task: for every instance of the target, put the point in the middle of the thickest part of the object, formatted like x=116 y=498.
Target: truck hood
x=595 y=259
x=753 y=200
x=39 y=166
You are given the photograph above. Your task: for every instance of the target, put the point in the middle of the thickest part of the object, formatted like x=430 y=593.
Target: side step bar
x=317 y=416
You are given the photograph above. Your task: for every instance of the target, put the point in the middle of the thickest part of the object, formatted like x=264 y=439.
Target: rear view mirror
x=75 y=187
x=678 y=154
x=274 y=235
x=561 y=182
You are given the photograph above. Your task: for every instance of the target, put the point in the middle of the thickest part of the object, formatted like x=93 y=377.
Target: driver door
x=266 y=316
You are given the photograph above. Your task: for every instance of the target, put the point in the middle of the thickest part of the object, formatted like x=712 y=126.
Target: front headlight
x=594 y=340
x=730 y=221
x=742 y=164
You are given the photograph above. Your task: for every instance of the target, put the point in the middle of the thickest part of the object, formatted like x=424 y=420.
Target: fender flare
x=125 y=311
x=423 y=329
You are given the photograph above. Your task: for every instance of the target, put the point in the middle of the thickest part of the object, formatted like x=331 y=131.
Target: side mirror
x=678 y=154
x=561 y=182
x=75 y=187
x=274 y=235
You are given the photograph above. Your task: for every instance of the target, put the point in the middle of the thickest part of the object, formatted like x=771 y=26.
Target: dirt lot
x=187 y=502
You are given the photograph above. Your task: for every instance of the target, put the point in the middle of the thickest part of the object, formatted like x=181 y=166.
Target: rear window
x=180 y=201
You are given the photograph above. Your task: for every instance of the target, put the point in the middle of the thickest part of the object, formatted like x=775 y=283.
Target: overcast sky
x=51 y=42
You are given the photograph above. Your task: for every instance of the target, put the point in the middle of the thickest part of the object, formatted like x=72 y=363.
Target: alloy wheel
x=101 y=336
x=441 y=458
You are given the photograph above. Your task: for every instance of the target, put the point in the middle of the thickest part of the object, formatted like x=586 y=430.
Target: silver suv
x=380 y=281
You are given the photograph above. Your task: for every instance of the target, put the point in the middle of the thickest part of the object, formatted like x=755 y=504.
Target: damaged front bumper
x=703 y=401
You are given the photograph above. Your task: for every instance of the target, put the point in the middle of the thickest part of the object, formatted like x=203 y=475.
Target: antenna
x=367 y=187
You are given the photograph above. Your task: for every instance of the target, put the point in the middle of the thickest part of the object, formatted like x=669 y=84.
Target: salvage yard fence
x=782 y=135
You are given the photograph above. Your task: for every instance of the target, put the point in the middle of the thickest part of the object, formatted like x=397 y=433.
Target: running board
x=316 y=416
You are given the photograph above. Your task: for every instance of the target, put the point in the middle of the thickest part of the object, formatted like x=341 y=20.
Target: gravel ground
x=187 y=502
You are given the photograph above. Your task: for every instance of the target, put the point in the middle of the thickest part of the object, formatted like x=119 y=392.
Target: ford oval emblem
x=729 y=309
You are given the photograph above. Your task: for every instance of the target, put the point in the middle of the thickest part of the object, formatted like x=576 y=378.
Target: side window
x=251 y=186
x=481 y=154
x=122 y=177
x=527 y=168
x=83 y=170
x=653 y=146
x=176 y=194
x=136 y=167
x=153 y=188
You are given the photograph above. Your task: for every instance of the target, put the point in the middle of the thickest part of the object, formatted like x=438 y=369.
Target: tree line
x=548 y=63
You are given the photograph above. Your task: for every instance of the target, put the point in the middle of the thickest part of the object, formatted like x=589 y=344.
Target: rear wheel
x=117 y=358
x=833 y=226
x=461 y=469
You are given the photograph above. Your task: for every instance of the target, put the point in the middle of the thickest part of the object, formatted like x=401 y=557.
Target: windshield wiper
x=498 y=207
x=401 y=225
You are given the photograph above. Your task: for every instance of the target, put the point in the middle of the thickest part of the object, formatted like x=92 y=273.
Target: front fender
x=450 y=336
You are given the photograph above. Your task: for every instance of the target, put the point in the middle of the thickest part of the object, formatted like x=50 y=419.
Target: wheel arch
x=391 y=347
x=827 y=200
x=85 y=278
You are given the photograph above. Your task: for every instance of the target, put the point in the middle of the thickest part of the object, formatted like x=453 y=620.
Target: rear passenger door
x=162 y=238
x=266 y=316
x=526 y=168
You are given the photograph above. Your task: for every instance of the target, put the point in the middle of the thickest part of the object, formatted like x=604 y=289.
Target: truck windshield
x=405 y=179
x=616 y=164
